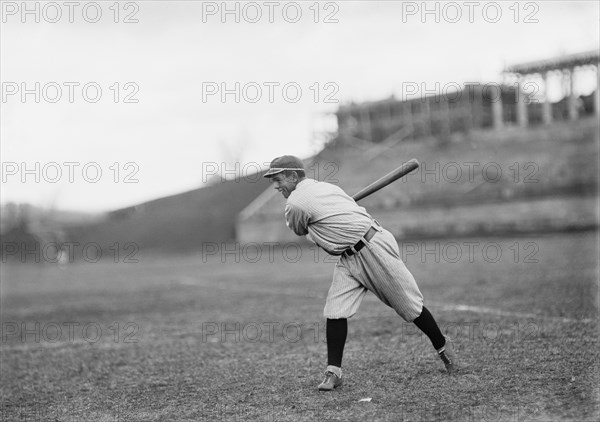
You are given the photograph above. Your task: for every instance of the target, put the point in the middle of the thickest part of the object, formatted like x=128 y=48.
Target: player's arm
x=297 y=219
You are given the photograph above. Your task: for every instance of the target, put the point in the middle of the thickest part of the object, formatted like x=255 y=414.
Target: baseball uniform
x=335 y=222
x=369 y=260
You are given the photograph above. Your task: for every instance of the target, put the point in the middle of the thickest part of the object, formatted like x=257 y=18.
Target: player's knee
x=410 y=314
x=338 y=314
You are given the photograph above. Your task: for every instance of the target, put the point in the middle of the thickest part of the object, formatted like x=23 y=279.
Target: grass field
x=177 y=338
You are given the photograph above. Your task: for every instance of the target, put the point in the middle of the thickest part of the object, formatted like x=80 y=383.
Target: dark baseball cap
x=285 y=162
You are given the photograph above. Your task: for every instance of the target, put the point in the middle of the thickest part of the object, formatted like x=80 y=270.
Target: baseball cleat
x=330 y=382
x=448 y=356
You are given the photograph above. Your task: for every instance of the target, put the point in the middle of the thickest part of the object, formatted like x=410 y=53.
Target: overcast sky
x=170 y=123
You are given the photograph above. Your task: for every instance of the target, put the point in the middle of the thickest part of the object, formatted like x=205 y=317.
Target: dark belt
x=360 y=244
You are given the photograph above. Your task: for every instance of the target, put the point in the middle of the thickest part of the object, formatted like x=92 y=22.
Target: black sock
x=427 y=324
x=337 y=330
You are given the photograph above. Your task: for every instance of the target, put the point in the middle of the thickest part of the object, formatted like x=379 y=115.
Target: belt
x=360 y=244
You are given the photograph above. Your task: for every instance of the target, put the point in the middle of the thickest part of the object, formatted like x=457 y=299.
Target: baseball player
x=369 y=261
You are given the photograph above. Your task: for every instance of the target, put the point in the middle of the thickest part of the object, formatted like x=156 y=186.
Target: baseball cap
x=285 y=162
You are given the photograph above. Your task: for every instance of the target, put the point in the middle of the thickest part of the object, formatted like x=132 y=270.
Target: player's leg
x=336 y=333
x=379 y=269
x=386 y=275
x=343 y=300
x=426 y=323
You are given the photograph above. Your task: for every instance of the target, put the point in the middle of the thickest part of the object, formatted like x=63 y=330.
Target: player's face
x=284 y=184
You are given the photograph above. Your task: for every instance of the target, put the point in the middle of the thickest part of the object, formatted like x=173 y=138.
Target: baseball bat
x=392 y=176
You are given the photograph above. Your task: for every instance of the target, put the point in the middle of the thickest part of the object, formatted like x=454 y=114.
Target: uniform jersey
x=324 y=212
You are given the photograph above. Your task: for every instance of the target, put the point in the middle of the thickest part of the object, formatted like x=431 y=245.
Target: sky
x=106 y=105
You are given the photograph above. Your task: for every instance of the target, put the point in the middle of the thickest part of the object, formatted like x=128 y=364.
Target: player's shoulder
x=304 y=190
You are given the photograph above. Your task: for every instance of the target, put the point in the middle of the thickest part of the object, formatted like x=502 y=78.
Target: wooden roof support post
x=497 y=117
x=546 y=105
x=522 y=118
x=572 y=103
x=597 y=92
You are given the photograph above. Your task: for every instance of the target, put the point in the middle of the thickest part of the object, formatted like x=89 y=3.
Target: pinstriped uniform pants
x=378 y=268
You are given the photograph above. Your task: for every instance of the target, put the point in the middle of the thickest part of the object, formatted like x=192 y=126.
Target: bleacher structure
x=503 y=165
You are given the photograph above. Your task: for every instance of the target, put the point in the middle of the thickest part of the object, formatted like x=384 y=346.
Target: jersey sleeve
x=296 y=219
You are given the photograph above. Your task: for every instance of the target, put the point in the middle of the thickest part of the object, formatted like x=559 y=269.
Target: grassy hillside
x=176 y=223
